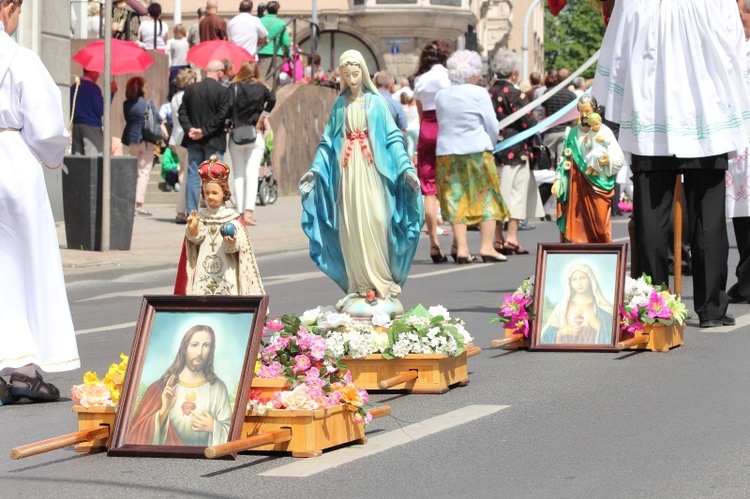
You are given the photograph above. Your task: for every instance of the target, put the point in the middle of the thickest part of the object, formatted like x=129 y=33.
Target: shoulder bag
x=152 y=131
x=243 y=134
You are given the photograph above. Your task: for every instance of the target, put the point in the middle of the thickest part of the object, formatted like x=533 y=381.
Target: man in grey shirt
x=385 y=83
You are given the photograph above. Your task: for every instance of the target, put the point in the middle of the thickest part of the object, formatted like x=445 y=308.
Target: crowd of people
x=244 y=99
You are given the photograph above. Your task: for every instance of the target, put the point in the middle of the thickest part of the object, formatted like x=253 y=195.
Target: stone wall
x=298 y=121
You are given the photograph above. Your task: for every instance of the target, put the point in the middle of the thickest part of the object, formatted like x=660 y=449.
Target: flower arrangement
x=645 y=303
x=419 y=331
x=321 y=80
x=100 y=393
x=517 y=309
x=318 y=377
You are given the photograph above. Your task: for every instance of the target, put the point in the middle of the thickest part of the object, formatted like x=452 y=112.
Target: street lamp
x=525 y=44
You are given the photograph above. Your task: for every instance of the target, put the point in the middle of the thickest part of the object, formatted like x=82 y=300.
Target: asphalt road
x=530 y=424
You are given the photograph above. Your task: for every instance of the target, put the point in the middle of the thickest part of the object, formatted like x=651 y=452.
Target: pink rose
x=275 y=325
x=304 y=339
x=92 y=395
x=297 y=399
x=302 y=363
x=270 y=371
x=364 y=396
x=281 y=342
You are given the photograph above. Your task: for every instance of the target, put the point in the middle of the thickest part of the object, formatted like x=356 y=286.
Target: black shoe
x=464 y=260
x=734 y=297
x=727 y=320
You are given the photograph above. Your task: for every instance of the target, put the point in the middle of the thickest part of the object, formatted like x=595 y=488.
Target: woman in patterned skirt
x=467 y=183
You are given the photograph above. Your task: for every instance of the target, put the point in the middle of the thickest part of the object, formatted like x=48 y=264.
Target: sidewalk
x=157 y=241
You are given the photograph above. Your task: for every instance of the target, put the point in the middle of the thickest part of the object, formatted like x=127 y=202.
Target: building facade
x=389 y=33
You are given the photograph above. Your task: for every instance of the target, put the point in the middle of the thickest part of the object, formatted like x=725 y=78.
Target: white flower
x=333 y=320
x=463 y=332
x=380 y=341
x=380 y=318
x=336 y=343
x=310 y=316
x=439 y=310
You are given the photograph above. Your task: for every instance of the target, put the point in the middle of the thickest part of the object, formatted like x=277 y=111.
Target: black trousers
x=653 y=193
x=741 y=290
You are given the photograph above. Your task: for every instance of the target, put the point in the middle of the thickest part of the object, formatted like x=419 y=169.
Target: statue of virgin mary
x=362 y=207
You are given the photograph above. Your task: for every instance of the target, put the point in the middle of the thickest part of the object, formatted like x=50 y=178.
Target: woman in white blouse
x=467 y=183
x=154 y=32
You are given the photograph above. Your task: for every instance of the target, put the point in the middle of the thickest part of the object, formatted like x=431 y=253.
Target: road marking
x=114 y=327
x=380 y=443
x=165 y=290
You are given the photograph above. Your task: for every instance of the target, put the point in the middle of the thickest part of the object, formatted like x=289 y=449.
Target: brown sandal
x=511 y=248
x=6 y=397
x=36 y=390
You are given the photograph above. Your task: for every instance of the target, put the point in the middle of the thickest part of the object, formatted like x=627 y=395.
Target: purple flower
x=657 y=307
x=512 y=304
x=630 y=321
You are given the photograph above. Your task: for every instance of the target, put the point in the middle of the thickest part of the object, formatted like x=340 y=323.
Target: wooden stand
x=657 y=338
x=311 y=431
x=512 y=341
x=416 y=373
x=268 y=387
x=90 y=419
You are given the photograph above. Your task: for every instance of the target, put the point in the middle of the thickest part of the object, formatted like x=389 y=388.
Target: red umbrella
x=127 y=57
x=215 y=50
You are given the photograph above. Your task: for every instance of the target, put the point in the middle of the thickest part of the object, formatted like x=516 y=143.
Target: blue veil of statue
x=319 y=208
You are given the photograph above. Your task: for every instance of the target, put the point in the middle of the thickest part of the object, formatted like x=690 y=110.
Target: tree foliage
x=573 y=36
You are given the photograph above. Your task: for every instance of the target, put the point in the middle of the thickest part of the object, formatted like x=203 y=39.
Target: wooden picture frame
x=577 y=291
x=205 y=349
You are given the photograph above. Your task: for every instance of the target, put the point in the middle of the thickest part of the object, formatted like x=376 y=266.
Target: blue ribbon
x=540 y=126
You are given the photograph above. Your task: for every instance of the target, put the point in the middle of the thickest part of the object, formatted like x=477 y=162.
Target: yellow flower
x=90 y=378
x=123 y=363
x=114 y=394
x=350 y=395
x=257 y=367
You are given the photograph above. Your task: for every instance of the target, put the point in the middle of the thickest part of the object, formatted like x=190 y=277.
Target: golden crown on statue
x=213 y=170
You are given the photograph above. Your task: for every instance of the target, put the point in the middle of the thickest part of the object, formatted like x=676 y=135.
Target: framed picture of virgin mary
x=578 y=289
x=189 y=377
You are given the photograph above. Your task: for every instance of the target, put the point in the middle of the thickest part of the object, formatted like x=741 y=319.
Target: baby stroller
x=268 y=187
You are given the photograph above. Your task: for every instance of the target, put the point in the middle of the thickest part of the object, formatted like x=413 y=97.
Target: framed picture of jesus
x=189 y=377
x=578 y=288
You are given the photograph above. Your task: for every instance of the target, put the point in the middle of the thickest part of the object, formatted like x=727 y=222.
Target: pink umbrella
x=127 y=57
x=215 y=50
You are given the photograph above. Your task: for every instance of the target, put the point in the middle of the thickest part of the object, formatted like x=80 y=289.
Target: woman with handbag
x=135 y=109
x=251 y=103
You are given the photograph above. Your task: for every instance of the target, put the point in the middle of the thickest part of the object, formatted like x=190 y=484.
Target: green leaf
x=388 y=354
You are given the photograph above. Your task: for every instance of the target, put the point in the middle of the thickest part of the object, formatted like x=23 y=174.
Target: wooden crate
x=436 y=373
x=312 y=431
x=661 y=338
x=92 y=418
x=268 y=387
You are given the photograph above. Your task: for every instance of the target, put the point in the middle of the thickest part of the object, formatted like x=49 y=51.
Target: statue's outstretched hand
x=555 y=188
x=412 y=181
x=306 y=183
